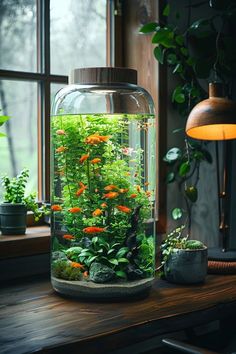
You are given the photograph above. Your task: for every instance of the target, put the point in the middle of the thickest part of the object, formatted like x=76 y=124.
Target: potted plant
x=184 y=261
x=13 y=210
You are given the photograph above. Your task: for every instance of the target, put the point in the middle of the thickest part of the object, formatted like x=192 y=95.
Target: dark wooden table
x=33 y=318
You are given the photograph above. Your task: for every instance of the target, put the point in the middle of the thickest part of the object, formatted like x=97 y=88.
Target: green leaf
x=121 y=274
x=177 y=213
x=165 y=37
x=166 y=10
x=2 y=135
x=113 y=261
x=184 y=51
x=173 y=154
x=111 y=250
x=178 y=68
x=3 y=119
x=179 y=40
x=123 y=260
x=184 y=168
x=192 y=193
x=170 y=177
x=148 y=27
x=178 y=96
x=159 y=54
x=172 y=59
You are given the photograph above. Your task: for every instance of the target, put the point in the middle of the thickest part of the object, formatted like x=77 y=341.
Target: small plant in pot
x=184 y=261
x=14 y=209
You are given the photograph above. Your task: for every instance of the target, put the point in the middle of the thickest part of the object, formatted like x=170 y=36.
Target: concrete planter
x=13 y=219
x=186 y=266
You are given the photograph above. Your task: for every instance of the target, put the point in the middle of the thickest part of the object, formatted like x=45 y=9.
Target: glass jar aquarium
x=103 y=186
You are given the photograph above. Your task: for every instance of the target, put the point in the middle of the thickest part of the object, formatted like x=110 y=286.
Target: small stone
x=58 y=255
x=100 y=273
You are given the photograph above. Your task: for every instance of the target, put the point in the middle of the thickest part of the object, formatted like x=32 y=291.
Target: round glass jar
x=103 y=186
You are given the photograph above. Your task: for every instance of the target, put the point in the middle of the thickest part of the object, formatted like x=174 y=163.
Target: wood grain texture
x=35 y=241
x=35 y=319
x=138 y=54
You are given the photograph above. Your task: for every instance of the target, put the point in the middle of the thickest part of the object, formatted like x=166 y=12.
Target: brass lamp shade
x=213 y=118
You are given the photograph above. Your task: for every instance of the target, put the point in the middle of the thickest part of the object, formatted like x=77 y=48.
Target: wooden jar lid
x=103 y=75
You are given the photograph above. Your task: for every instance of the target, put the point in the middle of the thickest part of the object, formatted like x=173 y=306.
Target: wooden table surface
x=33 y=318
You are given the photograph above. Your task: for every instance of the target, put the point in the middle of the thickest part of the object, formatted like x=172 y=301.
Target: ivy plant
x=203 y=50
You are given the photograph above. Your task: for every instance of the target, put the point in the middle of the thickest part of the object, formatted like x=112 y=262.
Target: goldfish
x=76 y=265
x=111 y=195
x=68 y=237
x=96 y=190
x=56 y=207
x=83 y=158
x=61 y=149
x=85 y=274
x=95 y=139
x=123 y=208
x=127 y=173
x=146 y=183
x=81 y=190
x=96 y=160
x=60 y=132
x=75 y=210
x=136 y=174
x=93 y=229
x=104 y=205
x=138 y=188
x=148 y=193
x=133 y=195
x=123 y=190
x=97 y=212
x=110 y=187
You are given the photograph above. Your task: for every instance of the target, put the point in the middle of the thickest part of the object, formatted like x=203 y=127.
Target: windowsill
x=35 y=241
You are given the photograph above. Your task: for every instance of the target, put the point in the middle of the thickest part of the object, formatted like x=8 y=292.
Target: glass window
x=18 y=35
x=78 y=34
x=18 y=100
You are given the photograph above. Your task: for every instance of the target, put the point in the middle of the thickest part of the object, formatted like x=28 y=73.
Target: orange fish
x=127 y=173
x=133 y=195
x=75 y=210
x=111 y=195
x=60 y=132
x=146 y=183
x=61 y=149
x=148 y=193
x=68 y=237
x=76 y=265
x=83 y=158
x=56 y=207
x=95 y=139
x=136 y=174
x=123 y=190
x=104 y=205
x=96 y=190
x=138 y=188
x=123 y=208
x=85 y=274
x=110 y=187
x=96 y=160
x=93 y=229
x=81 y=190
x=97 y=212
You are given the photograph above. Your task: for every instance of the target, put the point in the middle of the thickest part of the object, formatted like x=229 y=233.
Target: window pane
x=18 y=99
x=18 y=35
x=78 y=34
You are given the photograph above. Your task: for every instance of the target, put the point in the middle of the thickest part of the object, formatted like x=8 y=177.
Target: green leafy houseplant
x=18 y=203
x=203 y=50
x=3 y=119
x=183 y=260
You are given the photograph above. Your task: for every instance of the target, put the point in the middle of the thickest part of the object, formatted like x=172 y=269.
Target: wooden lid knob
x=104 y=75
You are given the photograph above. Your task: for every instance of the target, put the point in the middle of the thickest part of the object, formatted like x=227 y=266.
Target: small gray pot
x=13 y=219
x=186 y=266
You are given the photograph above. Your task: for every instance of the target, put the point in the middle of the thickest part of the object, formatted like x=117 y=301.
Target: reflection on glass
x=18 y=35
x=78 y=34
x=18 y=99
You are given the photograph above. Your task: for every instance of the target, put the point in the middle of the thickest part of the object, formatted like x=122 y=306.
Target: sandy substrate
x=90 y=290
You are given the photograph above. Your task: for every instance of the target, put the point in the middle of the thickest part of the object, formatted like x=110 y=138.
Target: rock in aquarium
x=103 y=179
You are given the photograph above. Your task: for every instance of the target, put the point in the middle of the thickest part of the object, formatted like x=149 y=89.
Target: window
x=41 y=41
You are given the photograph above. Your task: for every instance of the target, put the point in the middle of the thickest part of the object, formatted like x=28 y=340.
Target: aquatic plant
x=101 y=193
